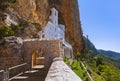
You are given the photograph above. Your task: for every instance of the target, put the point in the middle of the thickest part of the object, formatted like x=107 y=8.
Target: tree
x=77 y=56
x=99 y=59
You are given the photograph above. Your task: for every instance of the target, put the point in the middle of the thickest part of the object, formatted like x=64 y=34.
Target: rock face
x=38 y=11
x=69 y=16
x=11 y=52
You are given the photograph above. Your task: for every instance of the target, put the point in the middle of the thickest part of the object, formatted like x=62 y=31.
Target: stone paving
x=33 y=75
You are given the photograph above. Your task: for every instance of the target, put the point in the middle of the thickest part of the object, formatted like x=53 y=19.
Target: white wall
x=54 y=16
x=53 y=31
x=50 y=31
x=61 y=30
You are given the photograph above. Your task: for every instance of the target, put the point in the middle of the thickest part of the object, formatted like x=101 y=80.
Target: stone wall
x=11 y=52
x=16 y=51
x=51 y=50
x=59 y=71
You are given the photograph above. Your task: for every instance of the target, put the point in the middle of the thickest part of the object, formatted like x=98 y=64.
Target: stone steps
x=40 y=61
x=33 y=75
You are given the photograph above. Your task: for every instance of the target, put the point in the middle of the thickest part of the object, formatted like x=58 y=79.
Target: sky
x=100 y=20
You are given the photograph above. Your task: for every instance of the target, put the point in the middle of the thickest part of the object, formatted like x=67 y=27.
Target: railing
x=87 y=71
x=17 y=66
x=5 y=74
x=1 y=74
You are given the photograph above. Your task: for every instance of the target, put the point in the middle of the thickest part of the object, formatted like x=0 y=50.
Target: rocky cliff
x=32 y=16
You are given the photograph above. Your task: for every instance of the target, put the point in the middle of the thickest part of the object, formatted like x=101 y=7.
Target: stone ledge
x=59 y=71
x=58 y=59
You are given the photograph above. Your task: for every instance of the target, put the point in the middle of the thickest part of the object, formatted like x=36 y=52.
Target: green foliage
x=6 y=3
x=85 y=78
x=12 y=1
x=5 y=31
x=78 y=69
x=99 y=59
x=77 y=56
x=102 y=68
x=67 y=60
x=109 y=73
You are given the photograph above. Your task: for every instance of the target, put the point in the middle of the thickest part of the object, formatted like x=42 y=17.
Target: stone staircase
x=39 y=63
x=58 y=71
x=38 y=73
x=33 y=75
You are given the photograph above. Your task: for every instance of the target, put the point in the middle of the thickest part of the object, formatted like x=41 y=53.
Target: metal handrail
x=17 y=66
x=7 y=70
x=1 y=71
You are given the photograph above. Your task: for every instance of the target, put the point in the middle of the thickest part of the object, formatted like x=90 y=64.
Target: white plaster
x=54 y=16
x=53 y=30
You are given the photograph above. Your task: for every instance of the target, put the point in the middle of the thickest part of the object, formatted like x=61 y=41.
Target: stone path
x=33 y=75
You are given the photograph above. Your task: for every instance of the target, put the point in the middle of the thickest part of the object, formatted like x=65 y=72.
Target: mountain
x=89 y=45
x=111 y=54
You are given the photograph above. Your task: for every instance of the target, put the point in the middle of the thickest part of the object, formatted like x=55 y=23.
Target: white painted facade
x=54 y=16
x=53 y=30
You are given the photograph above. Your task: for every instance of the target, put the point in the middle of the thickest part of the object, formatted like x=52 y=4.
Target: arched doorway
x=34 y=57
x=38 y=58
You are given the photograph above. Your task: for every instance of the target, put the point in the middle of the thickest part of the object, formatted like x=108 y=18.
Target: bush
x=85 y=78
x=12 y=1
x=67 y=60
x=5 y=31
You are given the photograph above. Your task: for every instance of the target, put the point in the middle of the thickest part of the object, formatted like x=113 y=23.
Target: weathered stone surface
x=51 y=49
x=69 y=16
x=11 y=52
x=35 y=11
x=38 y=11
x=59 y=71
x=27 y=30
x=11 y=17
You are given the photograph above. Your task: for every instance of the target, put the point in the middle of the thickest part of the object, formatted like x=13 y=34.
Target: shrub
x=5 y=31
x=85 y=78
x=67 y=60
x=12 y=1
